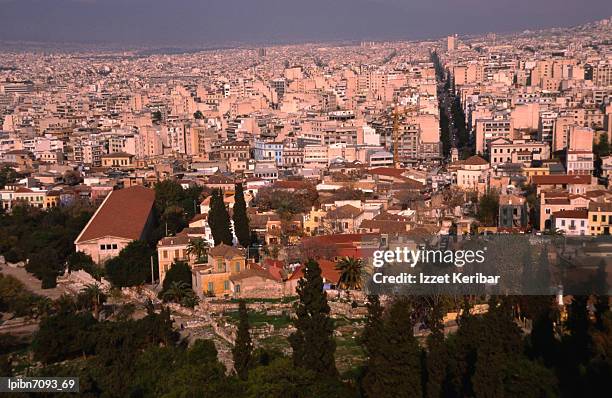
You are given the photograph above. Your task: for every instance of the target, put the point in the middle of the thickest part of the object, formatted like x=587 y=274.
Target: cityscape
x=249 y=219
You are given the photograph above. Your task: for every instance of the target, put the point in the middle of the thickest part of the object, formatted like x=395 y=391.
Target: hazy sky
x=197 y=22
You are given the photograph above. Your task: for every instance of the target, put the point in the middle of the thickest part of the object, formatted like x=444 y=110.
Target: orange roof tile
x=123 y=214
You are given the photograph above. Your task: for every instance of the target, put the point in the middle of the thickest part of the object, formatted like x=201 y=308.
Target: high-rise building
x=451 y=43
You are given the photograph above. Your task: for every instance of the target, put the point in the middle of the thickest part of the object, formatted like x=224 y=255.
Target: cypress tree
x=313 y=342
x=219 y=220
x=372 y=339
x=579 y=341
x=394 y=370
x=437 y=356
x=542 y=341
x=602 y=299
x=498 y=341
x=240 y=217
x=243 y=347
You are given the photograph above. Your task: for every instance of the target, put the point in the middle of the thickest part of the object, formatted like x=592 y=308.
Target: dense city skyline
x=205 y=23
x=348 y=199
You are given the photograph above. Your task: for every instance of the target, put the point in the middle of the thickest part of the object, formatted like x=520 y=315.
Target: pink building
x=124 y=216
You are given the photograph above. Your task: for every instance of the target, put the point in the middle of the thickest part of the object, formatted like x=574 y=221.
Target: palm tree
x=198 y=247
x=350 y=273
x=176 y=292
x=190 y=299
x=94 y=297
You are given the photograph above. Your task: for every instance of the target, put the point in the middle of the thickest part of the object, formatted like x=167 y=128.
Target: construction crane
x=396 y=125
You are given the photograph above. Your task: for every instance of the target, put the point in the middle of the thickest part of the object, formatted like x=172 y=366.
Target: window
x=594 y=217
x=237 y=288
x=237 y=267
x=165 y=254
x=220 y=265
x=114 y=246
x=225 y=285
x=211 y=287
x=102 y=247
x=563 y=223
x=603 y=218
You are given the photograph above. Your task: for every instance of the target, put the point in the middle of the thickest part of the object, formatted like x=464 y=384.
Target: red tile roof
x=388 y=171
x=286 y=184
x=328 y=271
x=475 y=161
x=561 y=179
x=571 y=214
x=226 y=251
x=123 y=214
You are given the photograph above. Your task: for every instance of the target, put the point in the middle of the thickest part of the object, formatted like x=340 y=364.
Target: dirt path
x=30 y=282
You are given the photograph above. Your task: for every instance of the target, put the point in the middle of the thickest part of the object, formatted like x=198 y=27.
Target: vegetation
x=15 y=299
x=8 y=175
x=243 y=348
x=132 y=267
x=488 y=209
x=43 y=238
x=181 y=293
x=312 y=343
x=219 y=220
x=351 y=270
x=198 y=247
x=489 y=355
x=177 y=286
x=390 y=344
x=179 y=272
x=287 y=202
x=601 y=148
x=241 y=218
x=174 y=206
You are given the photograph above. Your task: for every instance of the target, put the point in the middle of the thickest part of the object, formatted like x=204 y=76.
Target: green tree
x=179 y=292
x=219 y=220
x=63 y=336
x=79 y=260
x=437 y=357
x=243 y=347
x=197 y=247
x=372 y=340
x=132 y=266
x=488 y=209
x=241 y=218
x=313 y=343
x=179 y=272
x=8 y=175
x=351 y=270
x=46 y=266
x=281 y=379
x=396 y=349
x=499 y=340
x=93 y=298
x=541 y=343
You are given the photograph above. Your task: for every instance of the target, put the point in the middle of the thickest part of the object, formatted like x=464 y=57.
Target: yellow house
x=119 y=160
x=531 y=172
x=214 y=277
x=314 y=222
x=52 y=199
x=600 y=218
x=169 y=250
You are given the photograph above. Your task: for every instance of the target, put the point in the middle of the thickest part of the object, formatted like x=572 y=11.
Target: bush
x=132 y=267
